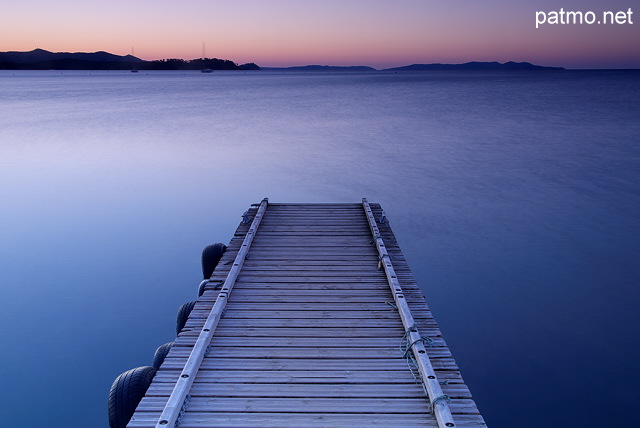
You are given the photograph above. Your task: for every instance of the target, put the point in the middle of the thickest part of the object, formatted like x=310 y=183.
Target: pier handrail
x=437 y=400
x=179 y=398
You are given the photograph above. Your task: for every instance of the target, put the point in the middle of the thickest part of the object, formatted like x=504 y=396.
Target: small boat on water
x=133 y=64
x=204 y=58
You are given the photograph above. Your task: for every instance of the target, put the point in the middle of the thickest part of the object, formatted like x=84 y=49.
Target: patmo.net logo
x=573 y=17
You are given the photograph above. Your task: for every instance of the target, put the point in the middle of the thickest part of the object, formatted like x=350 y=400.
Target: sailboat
x=133 y=64
x=204 y=69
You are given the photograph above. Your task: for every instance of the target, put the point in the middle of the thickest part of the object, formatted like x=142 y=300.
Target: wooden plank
x=323 y=285
x=333 y=377
x=360 y=286
x=335 y=218
x=318 y=306
x=330 y=288
x=314 y=211
x=282 y=275
x=295 y=420
x=309 y=242
x=317 y=315
x=253 y=290
x=322 y=247
x=284 y=206
x=318 y=302
x=389 y=353
x=205 y=387
x=289 y=262
x=287 y=364
x=327 y=259
x=316 y=279
x=408 y=389
x=295 y=323
x=307 y=302
x=301 y=282
x=312 y=269
x=401 y=406
x=307 y=230
x=336 y=342
x=300 y=405
x=297 y=376
x=394 y=332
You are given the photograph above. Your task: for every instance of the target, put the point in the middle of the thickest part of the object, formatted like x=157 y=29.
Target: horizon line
x=332 y=65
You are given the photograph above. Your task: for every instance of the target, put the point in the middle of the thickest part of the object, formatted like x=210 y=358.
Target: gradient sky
x=379 y=33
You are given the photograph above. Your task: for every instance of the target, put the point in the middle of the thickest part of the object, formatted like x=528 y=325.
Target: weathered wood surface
x=309 y=335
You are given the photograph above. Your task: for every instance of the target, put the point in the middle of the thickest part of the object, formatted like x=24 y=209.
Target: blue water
x=515 y=197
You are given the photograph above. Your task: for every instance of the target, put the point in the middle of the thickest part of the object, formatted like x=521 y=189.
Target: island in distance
x=494 y=65
x=321 y=68
x=475 y=65
x=40 y=59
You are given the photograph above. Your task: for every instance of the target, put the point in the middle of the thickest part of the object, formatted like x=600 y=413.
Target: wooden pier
x=312 y=318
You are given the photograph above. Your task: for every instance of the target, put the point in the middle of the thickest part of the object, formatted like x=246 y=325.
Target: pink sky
x=347 y=32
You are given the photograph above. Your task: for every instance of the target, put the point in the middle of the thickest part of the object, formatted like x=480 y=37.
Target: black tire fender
x=126 y=392
x=161 y=354
x=201 y=287
x=211 y=255
x=183 y=315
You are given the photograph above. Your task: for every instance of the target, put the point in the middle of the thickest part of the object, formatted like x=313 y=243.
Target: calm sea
x=515 y=197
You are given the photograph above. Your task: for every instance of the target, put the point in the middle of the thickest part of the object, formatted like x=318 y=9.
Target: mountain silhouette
x=474 y=65
x=41 y=55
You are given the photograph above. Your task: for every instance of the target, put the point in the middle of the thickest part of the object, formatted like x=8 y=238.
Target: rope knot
x=443 y=397
x=428 y=342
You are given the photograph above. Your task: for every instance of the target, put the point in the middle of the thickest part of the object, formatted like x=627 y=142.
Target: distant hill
x=40 y=55
x=322 y=68
x=474 y=65
x=40 y=59
x=423 y=67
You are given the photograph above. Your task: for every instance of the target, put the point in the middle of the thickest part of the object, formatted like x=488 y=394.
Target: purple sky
x=379 y=33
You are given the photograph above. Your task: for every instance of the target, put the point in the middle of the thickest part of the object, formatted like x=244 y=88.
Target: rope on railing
x=438 y=403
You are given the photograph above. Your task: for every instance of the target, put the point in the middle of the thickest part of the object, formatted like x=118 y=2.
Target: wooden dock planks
x=309 y=335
